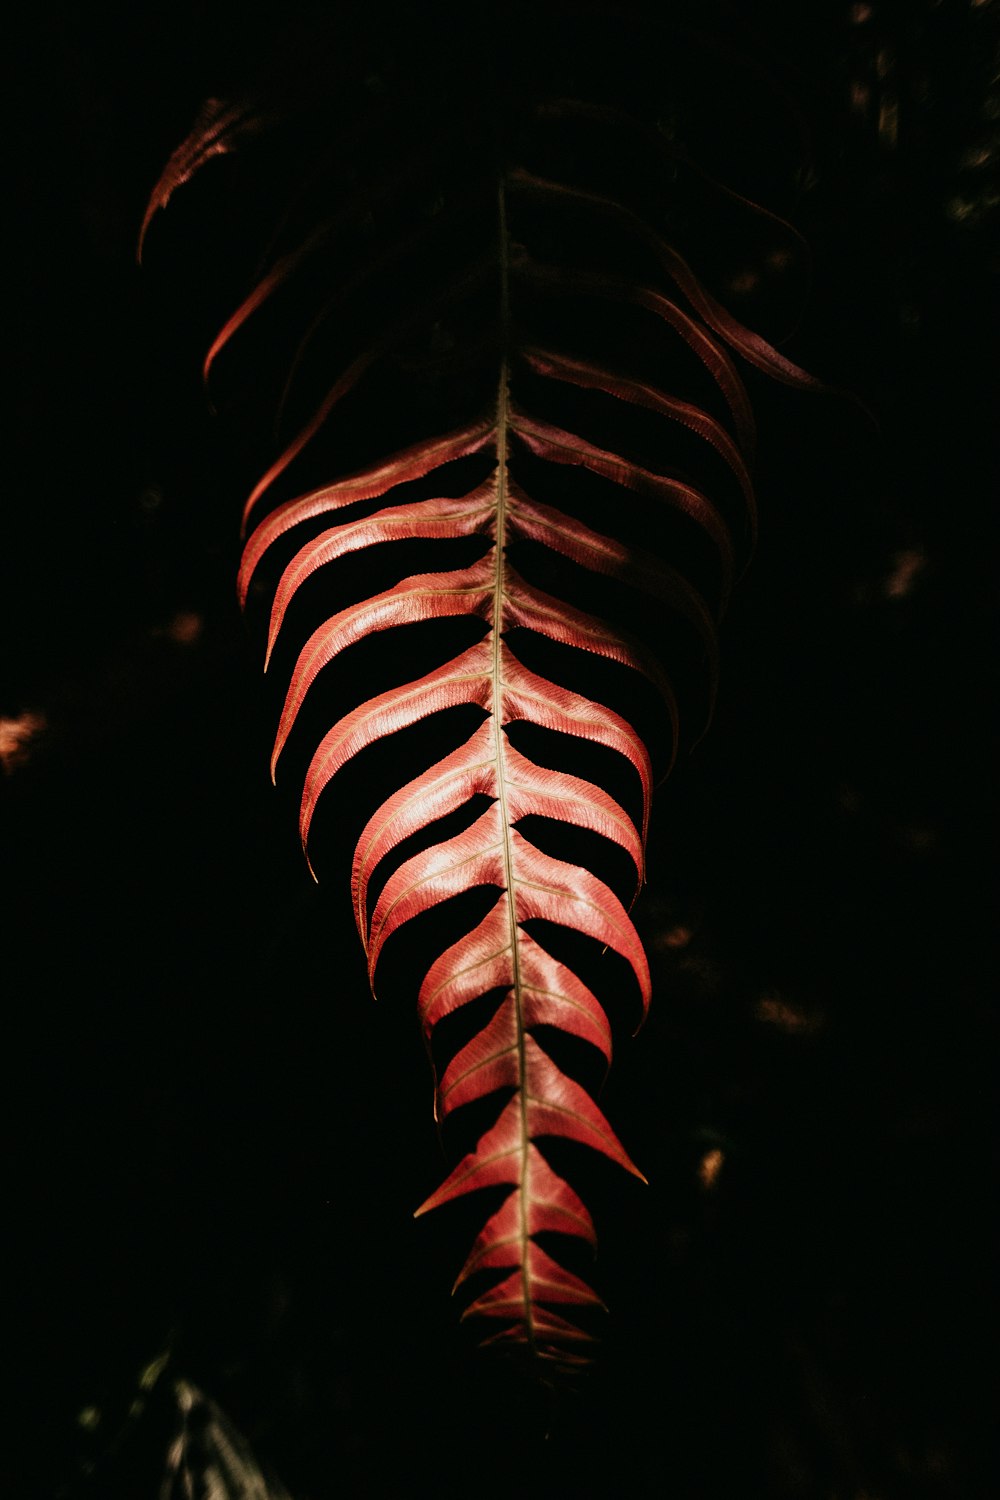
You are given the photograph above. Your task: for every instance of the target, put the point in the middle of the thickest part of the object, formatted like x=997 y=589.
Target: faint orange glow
x=860 y=14
x=743 y=281
x=676 y=937
x=709 y=1168
x=906 y=568
x=779 y=259
x=185 y=628
x=979 y=156
x=888 y=121
x=859 y=97
x=960 y=208
x=15 y=739
x=777 y=1012
x=918 y=838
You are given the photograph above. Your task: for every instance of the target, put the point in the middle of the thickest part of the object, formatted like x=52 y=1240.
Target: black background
x=217 y=1140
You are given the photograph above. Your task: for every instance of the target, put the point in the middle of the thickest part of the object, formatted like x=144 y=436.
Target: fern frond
x=563 y=308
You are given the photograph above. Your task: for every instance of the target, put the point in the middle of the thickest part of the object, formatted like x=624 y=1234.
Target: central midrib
x=502 y=419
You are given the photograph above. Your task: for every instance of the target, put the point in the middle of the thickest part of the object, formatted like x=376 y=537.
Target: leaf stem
x=502 y=436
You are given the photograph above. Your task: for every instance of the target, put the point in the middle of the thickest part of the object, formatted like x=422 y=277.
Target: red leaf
x=535 y=992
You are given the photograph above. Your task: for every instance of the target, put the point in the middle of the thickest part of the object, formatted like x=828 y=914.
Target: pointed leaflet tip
x=365 y=484
x=444 y=518
x=214 y=133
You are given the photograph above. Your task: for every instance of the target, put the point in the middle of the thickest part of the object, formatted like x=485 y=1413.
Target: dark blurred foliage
x=217 y=1139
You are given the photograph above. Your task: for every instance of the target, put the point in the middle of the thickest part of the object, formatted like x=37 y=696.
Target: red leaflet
x=430 y=518
x=550 y=1205
x=547 y=1104
x=481 y=961
x=712 y=355
x=470 y=771
x=566 y=448
x=401 y=468
x=492 y=852
x=425 y=597
x=215 y=132
x=756 y=350
x=582 y=372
